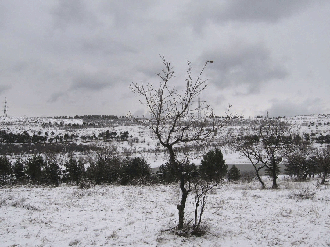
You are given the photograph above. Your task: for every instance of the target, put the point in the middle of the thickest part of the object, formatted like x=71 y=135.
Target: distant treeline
x=96 y=117
x=89 y=117
x=32 y=148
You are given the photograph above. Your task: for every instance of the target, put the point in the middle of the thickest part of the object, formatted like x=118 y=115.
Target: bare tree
x=248 y=147
x=276 y=142
x=200 y=188
x=173 y=121
x=267 y=147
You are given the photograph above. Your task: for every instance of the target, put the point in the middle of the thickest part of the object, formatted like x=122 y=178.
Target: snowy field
x=297 y=214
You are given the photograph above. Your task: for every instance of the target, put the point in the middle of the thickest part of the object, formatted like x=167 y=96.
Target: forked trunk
x=182 y=205
x=184 y=192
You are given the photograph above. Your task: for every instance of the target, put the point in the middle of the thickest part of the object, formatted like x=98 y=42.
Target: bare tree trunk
x=182 y=205
x=258 y=176
x=173 y=161
x=324 y=177
x=274 y=175
x=275 y=186
x=201 y=213
x=184 y=192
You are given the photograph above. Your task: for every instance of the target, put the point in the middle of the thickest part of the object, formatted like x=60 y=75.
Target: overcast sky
x=74 y=57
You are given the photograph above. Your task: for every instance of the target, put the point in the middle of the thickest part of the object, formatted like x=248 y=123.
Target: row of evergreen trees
x=109 y=169
x=106 y=169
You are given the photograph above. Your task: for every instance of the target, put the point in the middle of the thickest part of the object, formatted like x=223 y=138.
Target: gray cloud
x=4 y=88
x=68 y=53
x=250 y=65
x=3 y=13
x=91 y=82
x=127 y=12
x=56 y=96
x=201 y=12
x=104 y=47
x=289 y=108
x=72 y=12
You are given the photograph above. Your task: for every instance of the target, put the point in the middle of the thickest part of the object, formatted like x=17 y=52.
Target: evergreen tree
x=234 y=174
x=107 y=169
x=135 y=170
x=301 y=166
x=74 y=170
x=5 y=169
x=51 y=174
x=170 y=174
x=35 y=165
x=213 y=166
x=323 y=163
x=18 y=169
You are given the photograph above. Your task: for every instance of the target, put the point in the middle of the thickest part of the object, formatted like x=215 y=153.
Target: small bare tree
x=173 y=121
x=200 y=189
x=267 y=147
x=248 y=147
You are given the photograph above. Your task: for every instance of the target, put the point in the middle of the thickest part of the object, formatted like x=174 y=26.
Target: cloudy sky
x=68 y=57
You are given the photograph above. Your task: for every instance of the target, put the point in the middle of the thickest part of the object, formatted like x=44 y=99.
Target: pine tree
x=5 y=169
x=234 y=174
x=213 y=166
x=18 y=169
x=35 y=166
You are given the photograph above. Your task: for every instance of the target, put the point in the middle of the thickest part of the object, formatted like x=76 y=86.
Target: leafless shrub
x=20 y=203
x=305 y=193
x=247 y=176
x=85 y=184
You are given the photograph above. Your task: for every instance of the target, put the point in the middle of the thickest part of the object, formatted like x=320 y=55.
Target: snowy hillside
x=139 y=140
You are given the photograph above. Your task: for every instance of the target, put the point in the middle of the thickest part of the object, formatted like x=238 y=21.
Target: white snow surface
x=236 y=215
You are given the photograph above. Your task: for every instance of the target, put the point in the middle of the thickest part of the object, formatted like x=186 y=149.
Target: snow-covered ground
x=236 y=215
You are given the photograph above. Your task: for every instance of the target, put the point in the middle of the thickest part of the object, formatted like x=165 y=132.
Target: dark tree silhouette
x=5 y=169
x=213 y=166
x=234 y=174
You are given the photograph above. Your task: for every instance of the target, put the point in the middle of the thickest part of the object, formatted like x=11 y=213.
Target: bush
x=323 y=163
x=5 y=170
x=303 y=194
x=18 y=170
x=42 y=171
x=213 y=166
x=135 y=171
x=169 y=173
x=234 y=174
x=35 y=165
x=107 y=169
x=74 y=171
x=84 y=184
x=300 y=166
x=248 y=176
x=51 y=173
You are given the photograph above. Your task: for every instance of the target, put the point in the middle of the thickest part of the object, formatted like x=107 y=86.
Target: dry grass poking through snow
x=298 y=214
